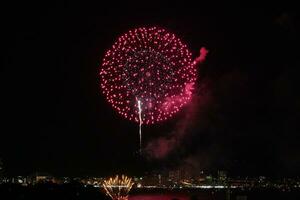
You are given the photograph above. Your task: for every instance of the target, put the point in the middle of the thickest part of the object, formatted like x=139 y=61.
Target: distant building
x=1 y=168
x=222 y=176
x=174 y=176
x=151 y=180
x=200 y=177
x=209 y=179
x=180 y=175
x=40 y=178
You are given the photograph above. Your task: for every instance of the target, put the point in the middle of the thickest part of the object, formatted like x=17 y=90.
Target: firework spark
x=118 y=187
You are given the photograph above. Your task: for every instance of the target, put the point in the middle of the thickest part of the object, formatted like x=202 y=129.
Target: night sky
x=244 y=117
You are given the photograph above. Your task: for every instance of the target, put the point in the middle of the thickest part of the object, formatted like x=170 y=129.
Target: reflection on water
x=188 y=195
x=158 y=197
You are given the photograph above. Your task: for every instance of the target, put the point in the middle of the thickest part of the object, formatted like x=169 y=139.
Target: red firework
x=152 y=66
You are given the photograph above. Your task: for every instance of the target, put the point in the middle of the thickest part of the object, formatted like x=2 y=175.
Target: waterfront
x=80 y=192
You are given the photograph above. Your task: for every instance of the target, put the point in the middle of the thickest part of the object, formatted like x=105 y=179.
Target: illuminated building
x=222 y=176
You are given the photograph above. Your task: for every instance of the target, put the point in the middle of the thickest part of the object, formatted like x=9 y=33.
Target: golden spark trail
x=140 y=125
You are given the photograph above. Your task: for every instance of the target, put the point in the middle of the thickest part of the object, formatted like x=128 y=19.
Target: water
x=159 y=197
x=219 y=195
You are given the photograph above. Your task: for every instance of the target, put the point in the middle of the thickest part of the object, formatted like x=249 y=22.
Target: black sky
x=54 y=118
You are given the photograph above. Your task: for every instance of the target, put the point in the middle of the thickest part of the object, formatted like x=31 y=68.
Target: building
x=1 y=168
x=222 y=176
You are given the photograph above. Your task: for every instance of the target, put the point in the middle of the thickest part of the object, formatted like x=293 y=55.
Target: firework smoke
x=163 y=146
x=202 y=56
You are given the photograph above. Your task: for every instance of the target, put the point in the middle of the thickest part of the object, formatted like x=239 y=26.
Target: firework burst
x=153 y=66
x=118 y=187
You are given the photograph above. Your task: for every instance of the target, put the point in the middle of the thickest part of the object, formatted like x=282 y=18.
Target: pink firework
x=152 y=66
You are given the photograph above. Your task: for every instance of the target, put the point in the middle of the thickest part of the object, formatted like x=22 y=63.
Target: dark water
x=221 y=195
x=185 y=195
x=79 y=192
x=159 y=197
